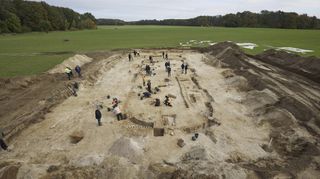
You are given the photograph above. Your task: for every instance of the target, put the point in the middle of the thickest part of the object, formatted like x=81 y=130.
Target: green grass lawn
x=26 y=54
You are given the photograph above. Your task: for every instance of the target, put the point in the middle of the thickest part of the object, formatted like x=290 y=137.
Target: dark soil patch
x=305 y=66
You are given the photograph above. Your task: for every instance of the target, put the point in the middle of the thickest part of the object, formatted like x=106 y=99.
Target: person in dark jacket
x=3 y=145
x=151 y=59
x=169 y=71
x=182 y=67
x=167 y=65
x=130 y=57
x=98 y=116
x=78 y=70
x=186 y=66
x=148 y=70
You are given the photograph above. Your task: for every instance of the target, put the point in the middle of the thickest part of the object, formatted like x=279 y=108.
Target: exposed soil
x=305 y=66
x=253 y=119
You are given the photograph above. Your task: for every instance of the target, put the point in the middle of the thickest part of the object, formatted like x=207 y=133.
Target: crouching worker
x=157 y=102
x=145 y=95
x=117 y=112
x=167 y=101
x=75 y=88
x=78 y=70
x=2 y=143
x=98 y=116
x=68 y=71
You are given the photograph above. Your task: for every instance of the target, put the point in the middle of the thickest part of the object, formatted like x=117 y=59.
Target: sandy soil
x=220 y=105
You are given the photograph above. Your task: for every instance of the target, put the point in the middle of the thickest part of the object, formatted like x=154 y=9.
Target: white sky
x=163 y=9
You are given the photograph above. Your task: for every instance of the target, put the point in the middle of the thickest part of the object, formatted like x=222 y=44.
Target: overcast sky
x=162 y=9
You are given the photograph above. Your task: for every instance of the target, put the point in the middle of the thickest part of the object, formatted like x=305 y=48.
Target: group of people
x=115 y=109
x=184 y=67
x=165 y=55
x=69 y=73
x=167 y=102
x=135 y=53
x=147 y=83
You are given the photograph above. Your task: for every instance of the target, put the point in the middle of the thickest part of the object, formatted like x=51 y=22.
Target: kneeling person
x=117 y=112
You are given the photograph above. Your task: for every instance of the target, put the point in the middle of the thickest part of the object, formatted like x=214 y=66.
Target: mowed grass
x=33 y=53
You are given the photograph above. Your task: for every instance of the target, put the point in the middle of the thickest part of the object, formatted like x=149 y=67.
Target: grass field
x=33 y=53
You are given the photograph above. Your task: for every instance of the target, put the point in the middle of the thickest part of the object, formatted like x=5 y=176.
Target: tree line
x=264 y=19
x=18 y=16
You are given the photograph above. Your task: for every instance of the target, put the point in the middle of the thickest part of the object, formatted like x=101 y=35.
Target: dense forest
x=25 y=16
x=264 y=19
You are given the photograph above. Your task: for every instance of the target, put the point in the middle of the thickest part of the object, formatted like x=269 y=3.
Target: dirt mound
x=306 y=66
x=127 y=148
x=227 y=54
x=219 y=47
x=71 y=62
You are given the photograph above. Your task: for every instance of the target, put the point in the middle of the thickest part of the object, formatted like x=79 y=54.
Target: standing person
x=163 y=55
x=186 y=68
x=117 y=112
x=78 y=70
x=98 y=116
x=151 y=59
x=167 y=56
x=68 y=71
x=149 y=86
x=135 y=53
x=182 y=67
x=169 y=71
x=148 y=70
x=166 y=65
x=3 y=145
x=130 y=57
x=144 y=80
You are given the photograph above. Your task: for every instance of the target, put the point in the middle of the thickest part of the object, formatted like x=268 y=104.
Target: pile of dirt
x=127 y=148
x=227 y=55
x=219 y=47
x=306 y=66
x=71 y=62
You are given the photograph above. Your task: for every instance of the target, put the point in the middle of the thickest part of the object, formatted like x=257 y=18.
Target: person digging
x=167 y=101
x=98 y=116
x=117 y=112
x=3 y=145
x=68 y=71
x=78 y=70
